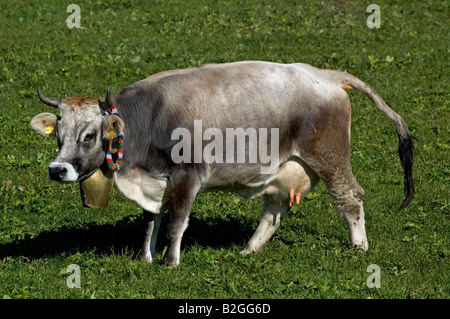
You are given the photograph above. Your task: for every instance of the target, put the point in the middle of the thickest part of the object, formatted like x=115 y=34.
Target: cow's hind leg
x=152 y=222
x=348 y=196
x=325 y=146
x=272 y=214
x=346 y=193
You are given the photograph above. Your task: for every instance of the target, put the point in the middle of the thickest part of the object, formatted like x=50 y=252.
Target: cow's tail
x=405 y=145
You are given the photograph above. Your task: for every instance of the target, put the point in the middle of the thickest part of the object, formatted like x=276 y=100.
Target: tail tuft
x=405 y=151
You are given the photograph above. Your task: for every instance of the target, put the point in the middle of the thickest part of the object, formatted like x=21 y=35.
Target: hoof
x=171 y=262
x=245 y=252
x=147 y=257
x=363 y=244
x=248 y=250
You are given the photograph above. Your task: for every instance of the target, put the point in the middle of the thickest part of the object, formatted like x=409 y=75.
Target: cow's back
x=240 y=94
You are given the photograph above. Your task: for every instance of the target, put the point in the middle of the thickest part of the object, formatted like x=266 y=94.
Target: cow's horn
x=108 y=103
x=47 y=100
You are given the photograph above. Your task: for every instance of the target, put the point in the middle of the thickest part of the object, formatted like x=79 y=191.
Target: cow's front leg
x=184 y=188
x=152 y=222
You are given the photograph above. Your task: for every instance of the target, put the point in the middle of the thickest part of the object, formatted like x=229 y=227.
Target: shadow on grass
x=126 y=235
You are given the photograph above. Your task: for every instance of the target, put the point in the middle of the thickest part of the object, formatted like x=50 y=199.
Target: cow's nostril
x=57 y=172
x=62 y=172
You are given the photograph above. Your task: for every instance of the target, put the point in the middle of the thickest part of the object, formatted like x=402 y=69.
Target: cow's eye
x=89 y=137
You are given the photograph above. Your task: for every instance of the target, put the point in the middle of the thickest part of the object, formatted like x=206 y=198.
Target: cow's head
x=81 y=131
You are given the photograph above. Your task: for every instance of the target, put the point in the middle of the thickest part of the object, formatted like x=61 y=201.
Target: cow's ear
x=110 y=123
x=45 y=124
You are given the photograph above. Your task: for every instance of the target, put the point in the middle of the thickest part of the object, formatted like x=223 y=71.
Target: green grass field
x=44 y=228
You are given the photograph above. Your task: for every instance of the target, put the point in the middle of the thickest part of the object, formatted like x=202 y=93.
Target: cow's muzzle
x=62 y=172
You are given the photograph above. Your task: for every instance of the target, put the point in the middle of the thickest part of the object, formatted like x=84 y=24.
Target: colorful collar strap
x=119 y=162
x=112 y=110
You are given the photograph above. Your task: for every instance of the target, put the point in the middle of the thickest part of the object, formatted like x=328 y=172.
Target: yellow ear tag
x=111 y=134
x=49 y=130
